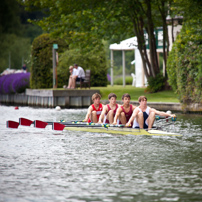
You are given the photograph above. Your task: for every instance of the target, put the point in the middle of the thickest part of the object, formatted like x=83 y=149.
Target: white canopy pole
x=124 y=67
x=112 y=74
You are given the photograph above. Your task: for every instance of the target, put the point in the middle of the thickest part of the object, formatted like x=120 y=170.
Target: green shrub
x=156 y=84
x=184 y=66
x=94 y=60
x=42 y=65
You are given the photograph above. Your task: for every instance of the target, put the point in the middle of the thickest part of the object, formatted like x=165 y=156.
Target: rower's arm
x=160 y=113
x=134 y=114
x=104 y=111
x=90 y=109
x=118 y=112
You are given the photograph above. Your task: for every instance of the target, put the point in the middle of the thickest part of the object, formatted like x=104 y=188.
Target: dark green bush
x=41 y=70
x=156 y=84
x=94 y=60
x=184 y=65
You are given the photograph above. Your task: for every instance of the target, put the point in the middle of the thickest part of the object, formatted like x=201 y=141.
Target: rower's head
x=112 y=98
x=126 y=95
x=126 y=98
x=142 y=100
x=96 y=97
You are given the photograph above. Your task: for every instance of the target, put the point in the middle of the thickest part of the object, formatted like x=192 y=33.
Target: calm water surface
x=41 y=165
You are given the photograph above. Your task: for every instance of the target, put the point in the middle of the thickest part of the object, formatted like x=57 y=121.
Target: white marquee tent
x=131 y=44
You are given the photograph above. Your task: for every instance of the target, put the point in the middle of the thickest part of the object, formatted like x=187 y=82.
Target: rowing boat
x=90 y=127
x=122 y=131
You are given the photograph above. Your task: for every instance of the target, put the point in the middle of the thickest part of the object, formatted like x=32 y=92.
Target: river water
x=41 y=165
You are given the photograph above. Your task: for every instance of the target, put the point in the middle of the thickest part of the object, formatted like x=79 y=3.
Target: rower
x=125 y=111
x=94 y=110
x=144 y=116
x=109 y=110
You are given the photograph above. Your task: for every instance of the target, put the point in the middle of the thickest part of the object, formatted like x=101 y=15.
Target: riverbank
x=77 y=98
x=135 y=93
x=68 y=98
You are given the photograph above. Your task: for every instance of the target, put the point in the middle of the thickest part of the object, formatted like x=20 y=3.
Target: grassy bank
x=164 y=96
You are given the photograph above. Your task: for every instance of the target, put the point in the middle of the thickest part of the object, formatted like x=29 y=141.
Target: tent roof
x=128 y=44
x=131 y=43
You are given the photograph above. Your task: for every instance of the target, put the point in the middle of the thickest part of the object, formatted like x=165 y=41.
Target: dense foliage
x=41 y=70
x=156 y=84
x=81 y=21
x=14 y=83
x=185 y=63
x=94 y=59
x=16 y=34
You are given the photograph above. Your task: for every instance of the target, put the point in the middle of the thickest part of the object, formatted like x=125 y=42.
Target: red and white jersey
x=98 y=111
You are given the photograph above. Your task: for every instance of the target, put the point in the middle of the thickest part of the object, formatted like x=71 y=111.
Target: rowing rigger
x=89 y=127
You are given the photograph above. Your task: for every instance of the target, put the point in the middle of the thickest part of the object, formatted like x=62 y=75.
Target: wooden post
x=55 y=46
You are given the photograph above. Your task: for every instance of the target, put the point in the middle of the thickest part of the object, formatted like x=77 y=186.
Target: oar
x=37 y=123
x=27 y=122
x=40 y=124
x=57 y=125
x=12 y=124
x=165 y=118
x=61 y=126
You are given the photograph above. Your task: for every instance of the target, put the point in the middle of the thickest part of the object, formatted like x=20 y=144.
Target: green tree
x=94 y=59
x=185 y=63
x=185 y=60
x=82 y=20
x=9 y=17
x=16 y=34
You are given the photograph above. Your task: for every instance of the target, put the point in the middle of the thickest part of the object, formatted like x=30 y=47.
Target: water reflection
x=44 y=165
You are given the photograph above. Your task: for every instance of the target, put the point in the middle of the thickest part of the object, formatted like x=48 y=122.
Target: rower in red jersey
x=109 y=110
x=125 y=111
x=95 y=110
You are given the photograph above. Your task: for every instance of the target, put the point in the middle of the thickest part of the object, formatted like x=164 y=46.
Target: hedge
x=184 y=65
x=42 y=64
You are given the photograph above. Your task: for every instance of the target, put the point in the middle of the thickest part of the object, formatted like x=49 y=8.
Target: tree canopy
x=16 y=34
x=83 y=20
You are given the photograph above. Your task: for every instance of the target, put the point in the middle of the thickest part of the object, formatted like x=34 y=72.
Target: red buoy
x=16 y=108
